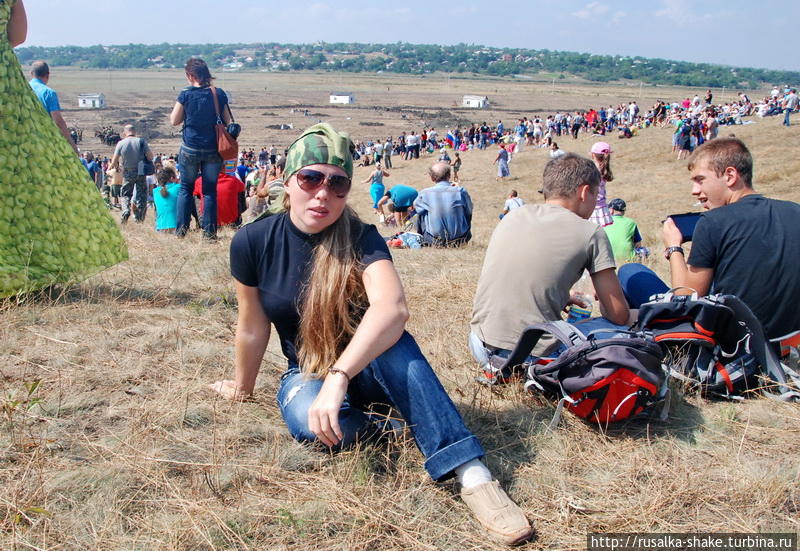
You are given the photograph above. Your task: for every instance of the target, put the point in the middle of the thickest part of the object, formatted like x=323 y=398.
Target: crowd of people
x=695 y=121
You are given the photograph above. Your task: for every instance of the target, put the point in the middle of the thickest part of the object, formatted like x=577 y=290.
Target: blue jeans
x=401 y=378
x=207 y=164
x=786 y=113
x=639 y=283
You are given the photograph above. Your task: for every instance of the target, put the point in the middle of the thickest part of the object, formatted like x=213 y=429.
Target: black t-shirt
x=753 y=246
x=275 y=256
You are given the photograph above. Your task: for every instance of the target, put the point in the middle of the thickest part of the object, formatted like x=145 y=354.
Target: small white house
x=340 y=97
x=91 y=101
x=476 y=102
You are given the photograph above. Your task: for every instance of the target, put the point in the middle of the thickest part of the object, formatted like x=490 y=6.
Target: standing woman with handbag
x=195 y=109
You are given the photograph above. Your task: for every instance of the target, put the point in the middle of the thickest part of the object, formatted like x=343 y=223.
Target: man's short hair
x=40 y=69
x=722 y=153
x=129 y=129
x=440 y=171
x=564 y=175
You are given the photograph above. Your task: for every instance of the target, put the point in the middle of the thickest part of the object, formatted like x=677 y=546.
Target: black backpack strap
x=761 y=349
x=561 y=330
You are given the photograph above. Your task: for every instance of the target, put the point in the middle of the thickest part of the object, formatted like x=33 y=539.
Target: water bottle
x=577 y=313
x=584 y=293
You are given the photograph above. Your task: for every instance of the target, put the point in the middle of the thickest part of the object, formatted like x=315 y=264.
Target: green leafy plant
x=16 y=401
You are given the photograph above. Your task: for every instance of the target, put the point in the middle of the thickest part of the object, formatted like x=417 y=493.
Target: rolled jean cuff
x=441 y=465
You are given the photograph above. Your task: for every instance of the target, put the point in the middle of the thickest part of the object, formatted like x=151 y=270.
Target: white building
x=477 y=102
x=341 y=97
x=91 y=101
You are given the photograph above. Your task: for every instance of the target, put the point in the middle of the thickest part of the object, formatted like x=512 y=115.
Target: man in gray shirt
x=132 y=151
x=535 y=256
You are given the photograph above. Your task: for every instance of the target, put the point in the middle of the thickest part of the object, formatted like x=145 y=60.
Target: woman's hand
x=228 y=390
x=323 y=415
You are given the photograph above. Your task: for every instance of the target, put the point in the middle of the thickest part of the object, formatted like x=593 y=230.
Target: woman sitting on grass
x=327 y=282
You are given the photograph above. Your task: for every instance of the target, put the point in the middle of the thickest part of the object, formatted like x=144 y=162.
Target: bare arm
x=380 y=328
x=17 y=25
x=684 y=275
x=252 y=336
x=62 y=126
x=176 y=117
x=227 y=116
x=613 y=305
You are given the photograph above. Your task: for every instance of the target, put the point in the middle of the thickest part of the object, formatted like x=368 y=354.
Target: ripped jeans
x=401 y=378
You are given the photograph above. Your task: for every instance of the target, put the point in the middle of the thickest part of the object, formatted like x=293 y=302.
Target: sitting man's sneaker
x=494 y=372
x=501 y=517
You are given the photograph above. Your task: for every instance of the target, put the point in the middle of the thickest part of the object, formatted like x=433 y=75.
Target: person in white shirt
x=555 y=152
x=513 y=202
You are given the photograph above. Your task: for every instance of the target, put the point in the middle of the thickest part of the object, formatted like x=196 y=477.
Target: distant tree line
x=407 y=58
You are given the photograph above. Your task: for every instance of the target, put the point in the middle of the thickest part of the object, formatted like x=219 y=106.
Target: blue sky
x=731 y=32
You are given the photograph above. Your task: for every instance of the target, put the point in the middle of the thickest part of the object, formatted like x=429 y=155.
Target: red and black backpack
x=716 y=345
x=602 y=380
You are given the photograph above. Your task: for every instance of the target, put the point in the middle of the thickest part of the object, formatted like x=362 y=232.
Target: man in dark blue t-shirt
x=744 y=244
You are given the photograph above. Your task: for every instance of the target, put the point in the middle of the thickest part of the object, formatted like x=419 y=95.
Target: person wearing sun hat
x=601 y=155
x=327 y=283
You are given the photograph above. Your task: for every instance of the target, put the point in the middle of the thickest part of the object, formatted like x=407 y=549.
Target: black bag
x=716 y=345
x=147 y=168
x=601 y=380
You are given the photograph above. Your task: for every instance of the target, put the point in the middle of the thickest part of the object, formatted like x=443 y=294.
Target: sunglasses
x=309 y=180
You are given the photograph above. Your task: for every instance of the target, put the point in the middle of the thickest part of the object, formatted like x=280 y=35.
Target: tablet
x=686 y=223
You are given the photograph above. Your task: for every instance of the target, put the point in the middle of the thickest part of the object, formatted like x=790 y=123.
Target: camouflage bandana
x=320 y=144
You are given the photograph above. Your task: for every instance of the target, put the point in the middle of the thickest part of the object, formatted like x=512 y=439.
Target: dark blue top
x=243 y=171
x=275 y=256
x=200 y=117
x=93 y=169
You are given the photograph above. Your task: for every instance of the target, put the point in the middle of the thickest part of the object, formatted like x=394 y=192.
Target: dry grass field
x=110 y=439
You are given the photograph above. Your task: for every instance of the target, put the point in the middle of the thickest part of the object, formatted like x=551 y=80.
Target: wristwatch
x=669 y=250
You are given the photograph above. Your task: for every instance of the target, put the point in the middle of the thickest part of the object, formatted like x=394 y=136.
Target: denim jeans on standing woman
x=401 y=378
x=206 y=163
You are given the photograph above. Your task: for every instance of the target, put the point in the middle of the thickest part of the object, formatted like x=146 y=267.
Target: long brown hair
x=198 y=70
x=333 y=299
x=603 y=162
